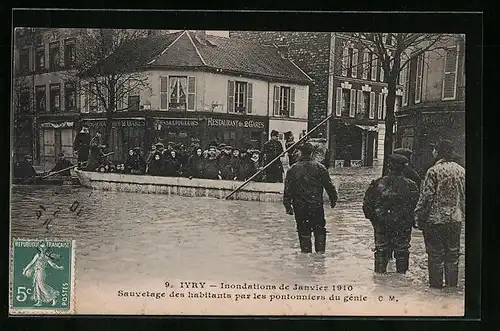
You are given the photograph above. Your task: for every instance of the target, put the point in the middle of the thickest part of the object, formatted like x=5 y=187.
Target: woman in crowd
x=195 y=164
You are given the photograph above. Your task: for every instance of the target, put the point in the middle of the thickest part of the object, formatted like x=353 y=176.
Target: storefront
x=56 y=137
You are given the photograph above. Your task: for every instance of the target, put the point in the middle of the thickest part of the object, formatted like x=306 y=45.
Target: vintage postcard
x=194 y=172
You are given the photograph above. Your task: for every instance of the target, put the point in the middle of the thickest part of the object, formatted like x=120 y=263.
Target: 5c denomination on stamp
x=42 y=276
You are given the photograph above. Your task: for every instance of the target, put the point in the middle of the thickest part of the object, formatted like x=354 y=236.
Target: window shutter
x=384 y=107
x=249 y=98
x=366 y=64
x=379 y=106
x=381 y=73
x=345 y=61
x=374 y=68
x=164 y=92
x=372 y=103
x=292 y=102
x=450 y=73
x=276 y=99
x=230 y=96
x=191 y=102
x=338 y=102
x=354 y=63
x=418 y=79
x=352 y=106
x=85 y=99
x=406 y=80
x=360 y=101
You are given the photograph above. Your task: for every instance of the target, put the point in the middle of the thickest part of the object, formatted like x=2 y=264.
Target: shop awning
x=57 y=125
x=368 y=127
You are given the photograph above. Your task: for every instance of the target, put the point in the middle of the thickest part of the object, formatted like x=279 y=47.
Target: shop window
x=54 y=56
x=69 y=53
x=55 y=97
x=40 y=59
x=70 y=96
x=40 y=96
x=284 y=101
x=24 y=61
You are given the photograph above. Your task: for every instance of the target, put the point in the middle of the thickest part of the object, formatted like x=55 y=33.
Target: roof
x=184 y=50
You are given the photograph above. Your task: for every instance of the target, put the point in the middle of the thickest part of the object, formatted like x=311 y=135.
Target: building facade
x=203 y=89
x=346 y=82
x=433 y=106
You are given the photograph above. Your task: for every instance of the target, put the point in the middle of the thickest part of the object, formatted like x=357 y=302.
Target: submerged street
x=124 y=239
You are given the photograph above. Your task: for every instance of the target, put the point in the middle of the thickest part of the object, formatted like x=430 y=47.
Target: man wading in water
x=303 y=196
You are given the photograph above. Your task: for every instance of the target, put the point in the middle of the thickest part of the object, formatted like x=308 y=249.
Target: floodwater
x=126 y=239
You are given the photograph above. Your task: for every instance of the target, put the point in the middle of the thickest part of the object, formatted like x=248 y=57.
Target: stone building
x=434 y=103
x=346 y=82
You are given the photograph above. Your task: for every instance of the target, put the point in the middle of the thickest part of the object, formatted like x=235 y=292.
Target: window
x=92 y=97
x=40 y=59
x=350 y=62
x=178 y=93
x=346 y=102
x=69 y=53
x=397 y=104
x=345 y=61
x=24 y=61
x=380 y=106
x=163 y=93
x=381 y=72
x=284 y=101
x=70 y=96
x=450 y=74
x=24 y=100
x=240 y=97
x=366 y=63
x=374 y=68
x=406 y=80
x=55 y=97
x=40 y=98
x=54 y=57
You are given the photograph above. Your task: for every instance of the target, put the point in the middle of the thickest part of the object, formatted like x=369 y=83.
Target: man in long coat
x=272 y=149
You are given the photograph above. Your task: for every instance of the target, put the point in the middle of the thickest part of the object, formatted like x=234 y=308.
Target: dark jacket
x=173 y=166
x=225 y=166
x=156 y=165
x=195 y=166
x=62 y=164
x=135 y=164
x=270 y=151
x=411 y=174
x=390 y=201
x=24 y=169
x=304 y=184
x=292 y=153
x=210 y=168
x=245 y=167
x=235 y=166
x=82 y=141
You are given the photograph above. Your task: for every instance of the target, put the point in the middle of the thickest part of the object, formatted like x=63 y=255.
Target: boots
x=402 y=261
x=381 y=260
x=451 y=270
x=319 y=243
x=305 y=244
x=435 y=265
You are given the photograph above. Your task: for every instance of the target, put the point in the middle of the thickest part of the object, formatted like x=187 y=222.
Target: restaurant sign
x=231 y=123
x=180 y=122
x=115 y=123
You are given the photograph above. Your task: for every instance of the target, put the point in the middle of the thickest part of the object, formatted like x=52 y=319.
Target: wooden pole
x=276 y=158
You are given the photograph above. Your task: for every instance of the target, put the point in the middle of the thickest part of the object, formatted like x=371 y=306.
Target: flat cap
x=397 y=159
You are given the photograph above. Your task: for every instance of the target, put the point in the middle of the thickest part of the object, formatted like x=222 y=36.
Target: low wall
x=253 y=191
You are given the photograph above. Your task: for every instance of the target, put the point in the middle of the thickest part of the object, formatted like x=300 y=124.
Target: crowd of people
x=216 y=161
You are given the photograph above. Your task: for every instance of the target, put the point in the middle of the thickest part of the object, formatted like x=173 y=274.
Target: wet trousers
x=442 y=244
x=310 y=219
x=388 y=240
x=83 y=155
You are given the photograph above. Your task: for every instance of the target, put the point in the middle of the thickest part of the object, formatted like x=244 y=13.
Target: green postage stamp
x=42 y=276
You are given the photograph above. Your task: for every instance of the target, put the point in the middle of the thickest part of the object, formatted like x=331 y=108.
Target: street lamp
x=158 y=129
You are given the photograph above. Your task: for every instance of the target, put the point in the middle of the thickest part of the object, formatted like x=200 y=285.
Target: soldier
x=408 y=171
x=271 y=150
x=440 y=213
x=303 y=196
x=388 y=204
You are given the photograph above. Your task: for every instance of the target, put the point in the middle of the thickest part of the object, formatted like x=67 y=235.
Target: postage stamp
x=42 y=274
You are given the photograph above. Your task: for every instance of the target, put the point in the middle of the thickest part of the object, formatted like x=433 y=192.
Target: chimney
x=201 y=36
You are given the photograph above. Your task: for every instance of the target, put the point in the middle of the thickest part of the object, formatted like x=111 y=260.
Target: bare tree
x=393 y=58
x=104 y=78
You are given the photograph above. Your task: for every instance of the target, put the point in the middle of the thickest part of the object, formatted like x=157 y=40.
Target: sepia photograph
x=237 y=172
